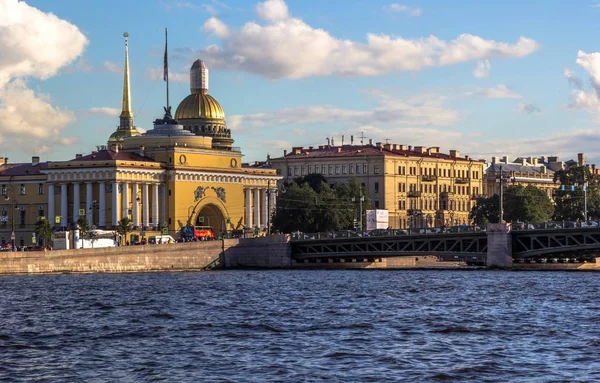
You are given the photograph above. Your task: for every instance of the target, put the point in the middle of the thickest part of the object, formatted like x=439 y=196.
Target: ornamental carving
x=199 y=193
x=220 y=193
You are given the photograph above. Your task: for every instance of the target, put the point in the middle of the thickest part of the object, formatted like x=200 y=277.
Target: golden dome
x=199 y=105
x=121 y=134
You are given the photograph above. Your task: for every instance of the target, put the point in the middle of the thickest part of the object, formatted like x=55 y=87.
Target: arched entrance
x=211 y=215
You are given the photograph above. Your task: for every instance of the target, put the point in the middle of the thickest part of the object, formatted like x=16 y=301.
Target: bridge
x=471 y=247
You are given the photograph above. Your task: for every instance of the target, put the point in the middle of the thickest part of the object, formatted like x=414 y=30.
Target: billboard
x=377 y=219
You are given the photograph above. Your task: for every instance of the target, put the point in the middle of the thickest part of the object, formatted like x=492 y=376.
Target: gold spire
x=126 y=116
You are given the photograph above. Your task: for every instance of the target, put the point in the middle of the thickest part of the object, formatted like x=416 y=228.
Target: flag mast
x=166 y=78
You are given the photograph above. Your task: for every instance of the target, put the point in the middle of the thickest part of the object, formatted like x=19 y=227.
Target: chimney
x=543 y=169
x=594 y=168
x=454 y=153
x=332 y=144
x=467 y=157
x=534 y=161
x=342 y=140
x=379 y=144
x=327 y=141
x=580 y=159
x=6 y=161
x=505 y=159
x=370 y=141
x=494 y=160
x=434 y=149
x=402 y=147
x=339 y=149
x=297 y=150
x=352 y=140
x=420 y=149
x=78 y=155
x=409 y=148
x=35 y=160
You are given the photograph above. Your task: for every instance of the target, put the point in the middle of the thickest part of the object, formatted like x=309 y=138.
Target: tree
x=85 y=231
x=124 y=227
x=527 y=204
x=43 y=230
x=486 y=210
x=570 y=202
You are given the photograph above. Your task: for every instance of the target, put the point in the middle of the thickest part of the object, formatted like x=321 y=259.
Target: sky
x=488 y=78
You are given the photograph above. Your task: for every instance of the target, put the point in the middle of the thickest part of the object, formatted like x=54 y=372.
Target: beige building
x=182 y=172
x=419 y=186
x=523 y=171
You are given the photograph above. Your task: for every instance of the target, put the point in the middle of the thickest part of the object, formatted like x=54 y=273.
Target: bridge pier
x=499 y=245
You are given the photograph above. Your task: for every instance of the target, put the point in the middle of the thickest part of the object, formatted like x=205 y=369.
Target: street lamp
x=14 y=207
x=360 y=199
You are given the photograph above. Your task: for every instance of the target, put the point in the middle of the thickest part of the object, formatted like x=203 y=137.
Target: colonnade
x=257 y=212
x=151 y=214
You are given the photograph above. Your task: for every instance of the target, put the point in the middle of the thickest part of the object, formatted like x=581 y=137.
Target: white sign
x=377 y=219
x=4 y=218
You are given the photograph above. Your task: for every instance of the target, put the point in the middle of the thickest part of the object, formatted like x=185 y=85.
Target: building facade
x=419 y=186
x=178 y=173
x=523 y=171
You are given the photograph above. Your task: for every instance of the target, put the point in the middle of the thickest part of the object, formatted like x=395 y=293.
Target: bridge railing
x=299 y=236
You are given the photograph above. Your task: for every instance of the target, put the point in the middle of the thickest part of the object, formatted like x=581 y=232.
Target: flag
x=166 y=64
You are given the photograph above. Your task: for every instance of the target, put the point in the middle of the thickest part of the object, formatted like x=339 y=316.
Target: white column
x=248 y=220
x=273 y=199
x=145 y=206
x=64 y=215
x=256 y=207
x=155 y=205
x=265 y=206
x=135 y=204
x=89 y=207
x=125 y=201
x=116 y=216
x=102 y=206
x=163 y=206
x=51 y=204
x=76 y=201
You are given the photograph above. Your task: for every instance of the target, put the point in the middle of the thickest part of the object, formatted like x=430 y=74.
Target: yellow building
x=523 y=171
x=177 y=173
x=418 y=186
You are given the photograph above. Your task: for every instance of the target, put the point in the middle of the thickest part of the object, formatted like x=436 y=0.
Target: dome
x=121 y=134
x=199 y=105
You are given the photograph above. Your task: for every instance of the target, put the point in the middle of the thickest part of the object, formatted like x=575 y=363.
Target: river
x=301 y=326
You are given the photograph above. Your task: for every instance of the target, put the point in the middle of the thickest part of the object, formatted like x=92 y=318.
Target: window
x=357 y=168
x=22 y=189
x=323 y=170
x=376 y=204
x=376 y=169
x=41 y=211
x=337 y=169
x=330 y=169
x=41 y=189
x=302 y=169
x=295 y=170
x=290 y=171
x=351 y=169
x=376 y=187
x=365 y=171
x=278 y=173
x=344 y=168
x=3 y=190
x=22 y=217
x=309 y=169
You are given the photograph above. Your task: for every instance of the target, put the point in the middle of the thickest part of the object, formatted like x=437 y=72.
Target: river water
x=301 y=326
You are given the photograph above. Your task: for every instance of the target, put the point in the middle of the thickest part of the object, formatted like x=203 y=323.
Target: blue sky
x=514 y=78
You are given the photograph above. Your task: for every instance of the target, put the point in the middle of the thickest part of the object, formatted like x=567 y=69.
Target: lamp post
x=361 y=198
x=13 y=208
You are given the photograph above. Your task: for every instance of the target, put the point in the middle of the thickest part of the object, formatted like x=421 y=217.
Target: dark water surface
x=289 y=326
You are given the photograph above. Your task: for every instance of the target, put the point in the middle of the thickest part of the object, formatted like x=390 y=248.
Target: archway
x=211 y=215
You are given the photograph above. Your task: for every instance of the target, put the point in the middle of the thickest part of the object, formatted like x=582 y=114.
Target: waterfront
x=338 y=325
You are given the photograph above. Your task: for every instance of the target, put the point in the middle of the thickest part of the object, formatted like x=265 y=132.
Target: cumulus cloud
x=581 y=98
x=103 y=111
x=483 y=69
x=394 y=7
x=500 y=91
x=33 y=44
x=573 y=79
x=157 y=74
x=524 y=107
x=287 y=47
x=216 y=27
x=169 y=5
x=423 y=110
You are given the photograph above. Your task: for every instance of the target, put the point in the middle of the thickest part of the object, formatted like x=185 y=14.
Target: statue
x=198 y=193
x=220 y=193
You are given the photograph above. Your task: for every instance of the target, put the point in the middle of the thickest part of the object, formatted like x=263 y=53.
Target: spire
x=199 y=77
x=126 y=117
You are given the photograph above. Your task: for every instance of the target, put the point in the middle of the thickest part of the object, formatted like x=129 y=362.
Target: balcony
x=427 y=178
x=461 y=180
x=413 y=194
x=414 y=212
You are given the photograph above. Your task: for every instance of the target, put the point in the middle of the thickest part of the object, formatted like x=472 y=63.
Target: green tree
x=85 y=231
x=43 y=230
x=295 y=209
x=527 y=204
x=486 y=210
x=124 y=227
x=570 y=202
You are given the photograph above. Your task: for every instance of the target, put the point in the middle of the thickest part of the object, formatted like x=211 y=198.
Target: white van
x=160 y=239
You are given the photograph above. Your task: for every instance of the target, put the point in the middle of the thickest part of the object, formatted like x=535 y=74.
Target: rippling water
x=335 y=326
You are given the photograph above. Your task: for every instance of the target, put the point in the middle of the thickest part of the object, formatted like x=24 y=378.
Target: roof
x=362 y=151
x=518 y=168
x=111 y=155
x=22 y=169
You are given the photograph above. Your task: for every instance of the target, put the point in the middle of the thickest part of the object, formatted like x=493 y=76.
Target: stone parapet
x=499 y=246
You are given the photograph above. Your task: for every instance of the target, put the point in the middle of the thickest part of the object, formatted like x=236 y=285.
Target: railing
x=299 y=236
x=427 y=178
x=413 y=194
x=461 y=180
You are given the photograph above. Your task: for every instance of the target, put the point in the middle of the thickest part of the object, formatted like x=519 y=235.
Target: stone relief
x=199 y=193
x=220 y=193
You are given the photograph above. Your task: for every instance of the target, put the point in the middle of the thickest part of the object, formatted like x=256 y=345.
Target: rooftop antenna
x=166 y=78
x=362 y=138
x=342 y=140
x=387 y=140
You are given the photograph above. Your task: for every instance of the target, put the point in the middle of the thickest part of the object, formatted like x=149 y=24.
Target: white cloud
x=500 y=91
x=272 y=10
x=423 y=110
x=157 y=74
x=404 y=9
x=103 y=111
x=483 y=69
x=33 y=44
x=216 y=27
x=586 y=99
x=176 y=4
x=113 y=67
x=524 y=107
x=287 y=47
x=573 y=79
